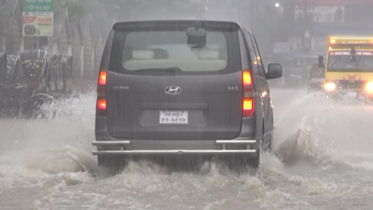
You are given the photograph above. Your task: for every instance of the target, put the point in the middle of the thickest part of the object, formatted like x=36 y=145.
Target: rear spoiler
x=175 y=25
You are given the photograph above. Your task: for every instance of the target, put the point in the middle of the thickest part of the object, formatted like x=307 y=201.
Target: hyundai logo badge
x=173 y=90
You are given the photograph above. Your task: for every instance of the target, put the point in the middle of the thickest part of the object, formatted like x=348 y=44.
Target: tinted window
x=142 y=52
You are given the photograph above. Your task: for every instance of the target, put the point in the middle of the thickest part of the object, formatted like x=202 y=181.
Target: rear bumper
x=243 y=144
x=140 y=147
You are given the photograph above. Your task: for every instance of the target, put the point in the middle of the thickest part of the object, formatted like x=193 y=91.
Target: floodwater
x=322 y=160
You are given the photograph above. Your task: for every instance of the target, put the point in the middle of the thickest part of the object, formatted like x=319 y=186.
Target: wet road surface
x=322 y=160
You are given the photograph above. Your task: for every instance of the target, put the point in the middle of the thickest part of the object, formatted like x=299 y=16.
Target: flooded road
x=322 y=160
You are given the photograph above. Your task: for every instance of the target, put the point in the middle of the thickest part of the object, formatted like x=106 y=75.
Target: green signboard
x=37 y=5
x=37 y=17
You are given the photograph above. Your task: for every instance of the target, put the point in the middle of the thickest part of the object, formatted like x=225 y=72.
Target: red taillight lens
x=248 y=107
x=101 y=93
x=248 y=94
x=247 y=104
x=101 y=104
x=102 y=78
x=246 y=78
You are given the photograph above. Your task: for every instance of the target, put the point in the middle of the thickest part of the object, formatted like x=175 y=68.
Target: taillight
x=248 y=104
x=246 y=78
x=102 y=78
x=101 y=104
x=248 y=94
x=101 y=93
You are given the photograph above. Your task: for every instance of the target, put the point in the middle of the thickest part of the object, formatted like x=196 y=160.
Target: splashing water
x=321 y=160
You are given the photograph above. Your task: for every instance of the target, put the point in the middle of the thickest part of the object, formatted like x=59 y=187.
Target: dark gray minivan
x=194 y=88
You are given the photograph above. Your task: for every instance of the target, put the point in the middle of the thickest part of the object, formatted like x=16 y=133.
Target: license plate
x=173 y=117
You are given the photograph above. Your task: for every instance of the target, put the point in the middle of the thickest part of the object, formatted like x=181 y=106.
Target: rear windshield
x=150 y=52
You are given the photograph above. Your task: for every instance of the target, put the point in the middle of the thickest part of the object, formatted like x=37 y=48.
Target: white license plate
x=173 y=117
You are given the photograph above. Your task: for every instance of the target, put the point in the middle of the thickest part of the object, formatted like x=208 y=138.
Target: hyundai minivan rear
x=175 y=87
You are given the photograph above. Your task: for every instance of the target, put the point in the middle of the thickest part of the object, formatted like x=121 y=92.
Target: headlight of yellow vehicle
x=369 y=87
x=330 y=86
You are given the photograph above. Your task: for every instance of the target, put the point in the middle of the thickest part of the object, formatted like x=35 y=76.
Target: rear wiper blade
x=170 y=70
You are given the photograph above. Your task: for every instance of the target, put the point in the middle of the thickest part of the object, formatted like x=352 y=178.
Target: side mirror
x=321 y=61
x=274 y=71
